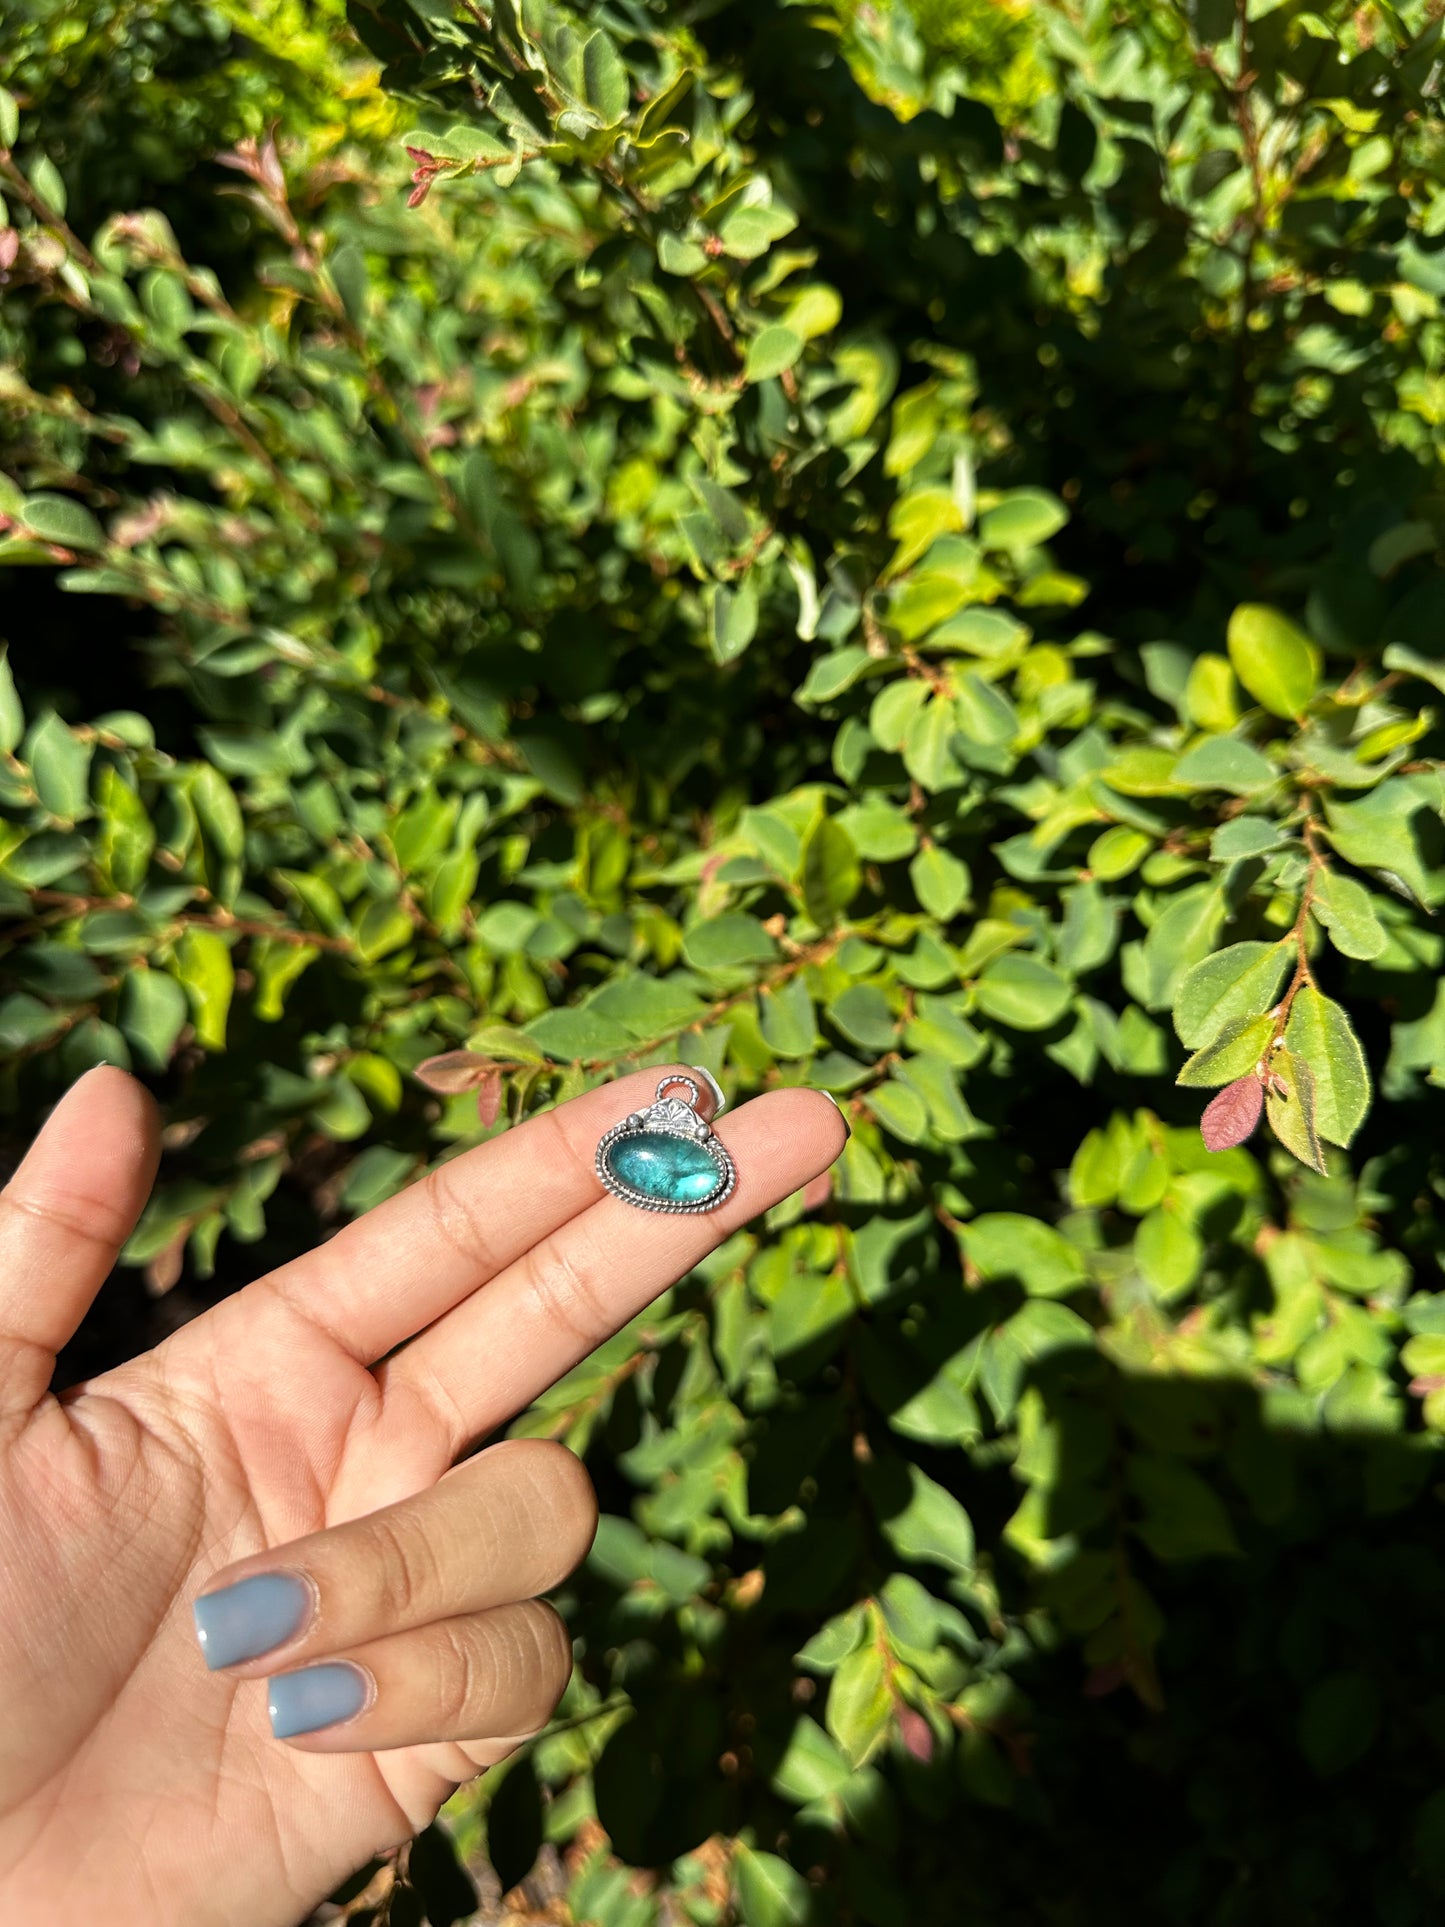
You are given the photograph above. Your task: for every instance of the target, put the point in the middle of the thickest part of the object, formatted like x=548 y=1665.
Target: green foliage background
x=889 y=546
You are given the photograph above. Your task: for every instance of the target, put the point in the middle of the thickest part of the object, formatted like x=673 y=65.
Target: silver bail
x=720 y=1103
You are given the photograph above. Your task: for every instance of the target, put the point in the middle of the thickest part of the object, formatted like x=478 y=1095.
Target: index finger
x=396 y=1270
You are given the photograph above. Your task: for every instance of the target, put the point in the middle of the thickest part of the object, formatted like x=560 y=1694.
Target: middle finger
x=502 y=1527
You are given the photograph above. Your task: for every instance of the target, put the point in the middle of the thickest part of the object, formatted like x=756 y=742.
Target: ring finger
x=484 y=1676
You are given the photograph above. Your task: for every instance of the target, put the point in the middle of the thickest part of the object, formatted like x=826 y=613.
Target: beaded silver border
x=642 y=1121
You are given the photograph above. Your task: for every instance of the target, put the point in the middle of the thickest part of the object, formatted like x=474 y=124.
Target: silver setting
x=673 y=1117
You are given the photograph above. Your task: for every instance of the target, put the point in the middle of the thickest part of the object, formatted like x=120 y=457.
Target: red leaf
x=1232 y=1116
x=453 y=1071
x=916 y=1733
x=489 y=1097
x=9 y=247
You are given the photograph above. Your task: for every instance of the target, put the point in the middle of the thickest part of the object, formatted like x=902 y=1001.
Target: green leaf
x=1291 y=1110
x=1233 y=1053
x=382 y=928
x=153 y=1011
x=1211 y=695
x=1244 y=837
x=1094 y=1173
x=931 y=1526
x=25 y=1022
x=860 y=1705
x=347 y=268
x=1168 y=1252
x=831 y=872
x=1345 y=909
x=812 y=1766
x=1022 y=992
x=831 y=1645
x=1024 y=518
x=936 y=1082
x=61 y=519
x=60 y=764
x=928 y=746
x=788 y=1022
x=127 y=837
x=880 y=831
x=894 y=709
x=604 y=79
x=1393 y=831
x=771 y=1892
x=864 y=1016
x=940 y=882
x=1409 y=662
x=1183 y=933
x=219 y=813
x=1241 y=981
x=1089 y=930
x=9 y=118
x=901 y=1110
x=44 y=176
x=1320 y=1035
x=730 y=942
x=1118 y=851
x=771 y=352
x=1005 y=1244
x=830 y=675
x=203 y=964
x=678 y=256
x=276 y=965
x=1225 y=763
x=813 y=311
x=1275 y=660
x=577 y=1031
x=734 y=620
x=648 y=1008
x=1182 y=1517
x=12 y=716
x=751 y=231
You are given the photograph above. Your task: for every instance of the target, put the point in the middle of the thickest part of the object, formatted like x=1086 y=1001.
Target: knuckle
x=90 y=1219
x=460 y=1691
x=564 y=1488
x=455 y=1216
x=561 y=1279
x=404 y=1567
x=545 y=1662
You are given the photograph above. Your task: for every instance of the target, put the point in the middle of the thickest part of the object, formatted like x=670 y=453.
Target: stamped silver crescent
x=666 y=1157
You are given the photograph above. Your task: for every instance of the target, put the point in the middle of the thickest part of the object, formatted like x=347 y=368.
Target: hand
x=263 y=1448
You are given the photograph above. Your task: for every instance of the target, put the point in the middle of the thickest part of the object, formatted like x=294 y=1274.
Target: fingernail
x=317 y=1696
x=248 y=1619
x=839 y=1109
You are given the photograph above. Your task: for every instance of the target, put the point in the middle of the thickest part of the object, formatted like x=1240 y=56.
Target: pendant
x=665 y=1158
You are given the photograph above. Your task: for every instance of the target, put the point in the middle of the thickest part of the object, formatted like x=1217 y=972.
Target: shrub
x=897 y=549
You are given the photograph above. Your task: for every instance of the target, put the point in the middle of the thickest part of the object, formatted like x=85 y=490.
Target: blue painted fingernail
x=248 y=1619
x=317 y=1696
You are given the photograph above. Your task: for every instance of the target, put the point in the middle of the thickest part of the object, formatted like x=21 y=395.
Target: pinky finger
x=485 y=1678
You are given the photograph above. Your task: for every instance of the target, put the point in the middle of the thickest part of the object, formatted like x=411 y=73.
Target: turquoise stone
x=674 y=1170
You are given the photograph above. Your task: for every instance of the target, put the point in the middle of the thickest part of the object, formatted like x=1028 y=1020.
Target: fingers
x=502 y=1527
x=404 y=1264
x=488 y=1676
x=63 y=1218
x=559 y=1300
